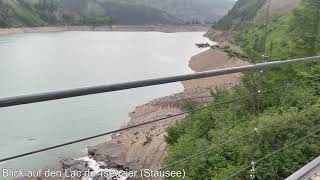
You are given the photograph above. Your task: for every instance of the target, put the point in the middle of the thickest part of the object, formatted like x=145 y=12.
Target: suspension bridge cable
x=206 y=150
x=185 y=99
x=84 y=91
x=149 y=122
x=240 y=137
x=119 y=130
x=275 y=152
x=226 y=142
x=209 y=96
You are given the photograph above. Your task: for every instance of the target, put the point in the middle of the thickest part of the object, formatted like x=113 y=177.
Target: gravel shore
x=119 y=28
x=145 y=147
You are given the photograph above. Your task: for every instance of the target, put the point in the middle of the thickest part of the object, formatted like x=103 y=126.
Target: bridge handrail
x=69 y=93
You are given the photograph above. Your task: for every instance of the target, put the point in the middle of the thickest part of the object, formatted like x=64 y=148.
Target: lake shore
x=145 y=147
x=109 y=28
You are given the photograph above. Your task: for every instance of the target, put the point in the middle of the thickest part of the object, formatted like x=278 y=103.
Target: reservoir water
x=40 y=62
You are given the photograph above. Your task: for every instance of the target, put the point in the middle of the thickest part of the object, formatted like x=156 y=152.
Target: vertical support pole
x=256 y=129
x=253 y=170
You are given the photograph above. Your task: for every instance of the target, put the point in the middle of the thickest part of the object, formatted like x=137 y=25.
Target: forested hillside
x=247 y=12
x=121 y=13
x=17 y=13
x=204 y=11
x=242 y=11
x=281 y=116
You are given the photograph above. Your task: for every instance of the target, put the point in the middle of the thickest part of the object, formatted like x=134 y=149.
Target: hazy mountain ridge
x=121 y=13
x=18 y=13
x=188 y=10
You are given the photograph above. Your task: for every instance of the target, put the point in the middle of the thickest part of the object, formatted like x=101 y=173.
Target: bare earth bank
x=144 y=147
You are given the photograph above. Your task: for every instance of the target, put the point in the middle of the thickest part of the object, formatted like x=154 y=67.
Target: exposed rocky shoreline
x=121 y=28
x=145 y=147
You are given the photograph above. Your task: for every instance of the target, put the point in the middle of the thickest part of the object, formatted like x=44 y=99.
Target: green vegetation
x=291 y=36
x=242 y=11
x=293 y=111
x=19 y=13
x=12 y=14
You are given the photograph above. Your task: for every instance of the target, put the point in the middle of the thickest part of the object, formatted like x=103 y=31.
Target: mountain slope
x=17 y=13
x=188 y=10
x=281 y=115
x=248 y=11
x=12 y=13
x=242 y=11
x=278 y=7
x=121 y=13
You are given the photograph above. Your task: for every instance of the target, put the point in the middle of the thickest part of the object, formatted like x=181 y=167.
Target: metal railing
x=69 y=93
x=307 y=171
